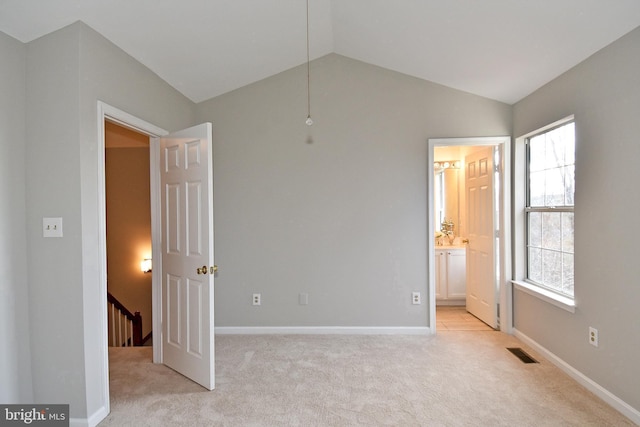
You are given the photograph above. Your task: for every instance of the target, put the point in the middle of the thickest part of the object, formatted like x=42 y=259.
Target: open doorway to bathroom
x=468 y=233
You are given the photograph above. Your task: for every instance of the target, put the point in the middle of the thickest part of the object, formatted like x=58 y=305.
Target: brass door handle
x=465 y=240
x=204 y=269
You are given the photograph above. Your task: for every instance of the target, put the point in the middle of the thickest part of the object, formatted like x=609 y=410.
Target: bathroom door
x=481 y=275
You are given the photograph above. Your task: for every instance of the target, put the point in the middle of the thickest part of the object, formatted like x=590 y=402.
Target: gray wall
x=67 y=72
x=15 y=369
x=336 y=210
x=604 y=94
x=53 y=184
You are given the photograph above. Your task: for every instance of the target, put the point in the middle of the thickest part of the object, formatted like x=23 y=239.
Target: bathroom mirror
x=447 y=198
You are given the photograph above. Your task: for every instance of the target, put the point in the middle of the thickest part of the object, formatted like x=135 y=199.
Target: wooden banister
x=135 y=318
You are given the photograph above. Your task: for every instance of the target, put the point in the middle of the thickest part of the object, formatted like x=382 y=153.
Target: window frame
x=522 y=210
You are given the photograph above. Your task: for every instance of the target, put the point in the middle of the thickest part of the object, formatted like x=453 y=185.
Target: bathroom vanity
x=451 y=275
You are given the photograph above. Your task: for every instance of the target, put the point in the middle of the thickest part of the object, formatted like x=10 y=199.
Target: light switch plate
x=51 y=227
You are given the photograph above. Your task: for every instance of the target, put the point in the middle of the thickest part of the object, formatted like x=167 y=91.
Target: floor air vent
x=520 y=354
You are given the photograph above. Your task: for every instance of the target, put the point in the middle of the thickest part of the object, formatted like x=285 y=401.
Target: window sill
x=560 y=301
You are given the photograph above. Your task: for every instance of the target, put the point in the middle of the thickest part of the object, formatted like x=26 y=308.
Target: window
x=549 y=208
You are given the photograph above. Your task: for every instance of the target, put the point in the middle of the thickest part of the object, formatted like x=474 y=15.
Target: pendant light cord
x=308 y=69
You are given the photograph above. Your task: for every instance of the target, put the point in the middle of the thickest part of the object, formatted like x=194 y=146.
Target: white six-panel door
x=186 y=178
x=481 y=283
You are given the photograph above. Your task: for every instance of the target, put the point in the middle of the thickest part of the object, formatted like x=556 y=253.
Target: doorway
x=126 y=120
x=449 y=228
x=186 y=154
x=128 y=210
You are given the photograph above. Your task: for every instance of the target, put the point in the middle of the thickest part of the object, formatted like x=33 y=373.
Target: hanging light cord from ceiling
x=309 y=121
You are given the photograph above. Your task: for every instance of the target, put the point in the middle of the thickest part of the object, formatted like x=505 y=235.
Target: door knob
x=465 y=240
x=204 y=269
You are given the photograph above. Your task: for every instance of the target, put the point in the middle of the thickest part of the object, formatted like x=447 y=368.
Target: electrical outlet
x=256 y=299
x=303 y=298
x=593 y=336
x=415 y=298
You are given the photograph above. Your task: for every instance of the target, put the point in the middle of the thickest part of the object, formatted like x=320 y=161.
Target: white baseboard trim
x=92 y=421
x=620 y=405
x=323 y=330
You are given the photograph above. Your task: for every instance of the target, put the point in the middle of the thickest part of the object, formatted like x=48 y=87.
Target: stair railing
x=125 y=328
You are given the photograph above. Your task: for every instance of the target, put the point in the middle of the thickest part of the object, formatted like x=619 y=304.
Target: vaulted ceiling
x=500 y=49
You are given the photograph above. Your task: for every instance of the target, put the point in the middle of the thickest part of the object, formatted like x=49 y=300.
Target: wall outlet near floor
x=593 y=336
x=415 y=298
x=256 y=299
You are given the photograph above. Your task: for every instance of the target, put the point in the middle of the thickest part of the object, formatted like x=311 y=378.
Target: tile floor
x=456 y=318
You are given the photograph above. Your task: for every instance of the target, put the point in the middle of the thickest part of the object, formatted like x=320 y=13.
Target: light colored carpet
x=452 y=379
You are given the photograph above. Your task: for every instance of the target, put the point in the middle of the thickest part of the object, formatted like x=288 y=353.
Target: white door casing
x=481 y=283
x=503 y=275
x=186 y=181
x=122 y=118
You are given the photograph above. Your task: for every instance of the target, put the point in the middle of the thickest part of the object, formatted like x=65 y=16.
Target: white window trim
x=561 y=301
x=519 y=241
